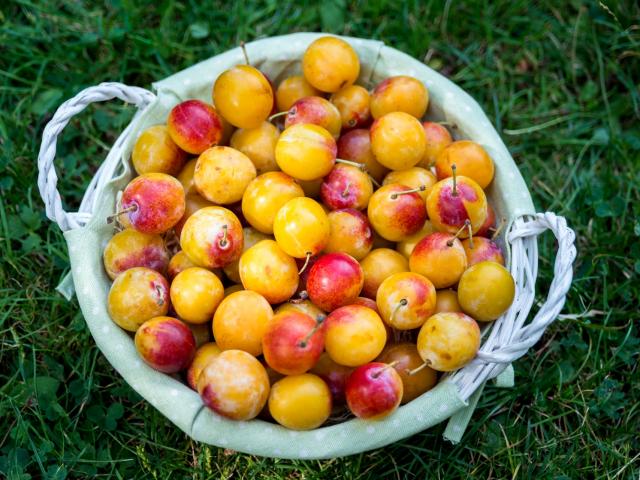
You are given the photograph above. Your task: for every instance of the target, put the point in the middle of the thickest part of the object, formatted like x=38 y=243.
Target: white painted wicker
x=510 y=336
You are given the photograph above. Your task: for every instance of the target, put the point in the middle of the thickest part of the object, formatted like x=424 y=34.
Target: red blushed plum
x=152 y=203
x=356 y=146
x=438 y=138
x=334 y=375
x=455 y=200
x=346 y=186
x=487 y=228
x=212 y=237
x=440 y=257
x=482 y=249
x=374 y=391
x=166 y=344
x=316 y=110
x=130 y=248
x=293 y=342
x=396 y=211
x=351 y=233
x=335 y=280
x=405 y=300
x=194 y=126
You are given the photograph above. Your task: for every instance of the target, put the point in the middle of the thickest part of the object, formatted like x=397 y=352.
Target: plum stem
x=402 y=303
x=503 y=223
x=345 y=192
x=467 y=224
x=306 y=262
x=448 y=124
x=374 y=181
x=421 y=367
x=132 y=208
x=244 y=52
x=421 y=188
x=277 y=115
x=159 y=291
x=454 y=192
x=303 y=295
x=386 y=367
x=361 y=166
x=319 y=321
x=223 y=241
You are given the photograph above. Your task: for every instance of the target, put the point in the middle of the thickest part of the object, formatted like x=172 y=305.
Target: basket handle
x=527 y=336
x=47 y=177
x=510 y=338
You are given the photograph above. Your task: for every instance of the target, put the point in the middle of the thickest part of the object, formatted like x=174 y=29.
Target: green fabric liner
x=176 y=401
x=458 y=422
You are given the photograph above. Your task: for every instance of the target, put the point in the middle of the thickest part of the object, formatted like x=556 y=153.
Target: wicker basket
x=453 y=398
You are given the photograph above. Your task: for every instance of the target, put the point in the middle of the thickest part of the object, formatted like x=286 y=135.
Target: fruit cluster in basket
x=307 y=253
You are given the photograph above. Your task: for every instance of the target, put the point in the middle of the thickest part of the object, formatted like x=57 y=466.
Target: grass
x=560 y=82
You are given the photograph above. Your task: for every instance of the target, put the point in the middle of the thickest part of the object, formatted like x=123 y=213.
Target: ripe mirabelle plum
x=400 y=94
x=335 y=280
x=396 y=211
x=130 y=248
x=292 y=89
x=405 y=300
x=440 y=257
x=355 y=335
x=453 y=201
x=137 y=295
x=398 y=140
x=300 y=402
x=156 y=152
x=330 y=64
x=194 y=126
x=234 y=384
x=243 y=96
x=212 y=237
x=241 y=320
x=166 y=344
x=353 y=104
x=152 y=203
x=293 y=341
x=301 y=227
x=486 y=290
x=351 y=233
x=222 y=174
x=374 y=391
x=265 y=268
x=346 y=186
x=470 y=159
x=482 y=249
x=195 y=294
x=306 y=151
x=448 y=341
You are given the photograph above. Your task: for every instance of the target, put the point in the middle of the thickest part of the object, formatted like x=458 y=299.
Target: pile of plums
x=305 y=253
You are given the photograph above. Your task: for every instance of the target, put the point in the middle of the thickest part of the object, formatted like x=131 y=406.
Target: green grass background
x=559 y=81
